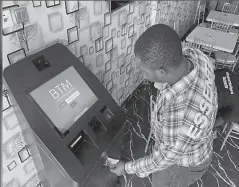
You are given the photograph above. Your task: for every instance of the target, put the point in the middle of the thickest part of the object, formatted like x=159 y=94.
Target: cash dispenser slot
x=83 y=147
x=77 y=142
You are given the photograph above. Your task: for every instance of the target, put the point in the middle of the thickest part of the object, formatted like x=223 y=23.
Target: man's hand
x=119 y=168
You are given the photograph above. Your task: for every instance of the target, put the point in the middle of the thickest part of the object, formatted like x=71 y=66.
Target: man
x=227 y=83
x=184 y=111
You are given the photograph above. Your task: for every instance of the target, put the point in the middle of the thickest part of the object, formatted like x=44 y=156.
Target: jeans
x=179 y=176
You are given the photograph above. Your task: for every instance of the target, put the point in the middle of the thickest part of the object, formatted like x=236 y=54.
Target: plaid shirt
x=182 y=120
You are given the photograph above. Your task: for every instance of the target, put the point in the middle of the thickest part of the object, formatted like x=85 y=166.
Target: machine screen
x=64 y=98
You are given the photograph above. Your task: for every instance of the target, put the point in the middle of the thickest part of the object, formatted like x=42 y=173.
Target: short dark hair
x=159 y=46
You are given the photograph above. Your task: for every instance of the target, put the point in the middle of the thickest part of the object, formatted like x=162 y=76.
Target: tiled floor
x=223 y=171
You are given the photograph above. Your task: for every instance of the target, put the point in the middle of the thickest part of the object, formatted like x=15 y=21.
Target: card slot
x=98 y=128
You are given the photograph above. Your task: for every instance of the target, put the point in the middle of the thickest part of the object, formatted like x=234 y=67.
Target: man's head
x=158 y=52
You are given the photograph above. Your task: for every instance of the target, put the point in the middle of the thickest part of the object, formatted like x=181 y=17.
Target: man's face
x=150 y=74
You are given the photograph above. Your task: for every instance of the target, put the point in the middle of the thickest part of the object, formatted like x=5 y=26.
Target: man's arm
x=158 y=160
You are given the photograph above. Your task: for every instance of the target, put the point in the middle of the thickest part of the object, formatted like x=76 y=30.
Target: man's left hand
x=119 y=168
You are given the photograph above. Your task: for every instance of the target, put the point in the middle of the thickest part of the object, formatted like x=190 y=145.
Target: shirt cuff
x=129 y=168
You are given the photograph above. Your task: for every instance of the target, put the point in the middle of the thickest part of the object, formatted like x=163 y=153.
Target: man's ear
x=161 y=72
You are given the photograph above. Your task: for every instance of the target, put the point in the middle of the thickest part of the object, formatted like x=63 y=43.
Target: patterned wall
x=102 y=40
x=180 y=13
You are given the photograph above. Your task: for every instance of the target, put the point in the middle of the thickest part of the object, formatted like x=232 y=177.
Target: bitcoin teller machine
x=75 y=122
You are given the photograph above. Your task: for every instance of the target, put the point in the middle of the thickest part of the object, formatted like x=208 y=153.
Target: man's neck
x=181 y=71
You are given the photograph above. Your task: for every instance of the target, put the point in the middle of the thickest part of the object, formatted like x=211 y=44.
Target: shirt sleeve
x=158 y=160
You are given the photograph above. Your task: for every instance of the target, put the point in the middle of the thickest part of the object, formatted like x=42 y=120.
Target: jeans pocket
x=192 y=175
x=167 y=177
x=177 y=176
x=199 y=170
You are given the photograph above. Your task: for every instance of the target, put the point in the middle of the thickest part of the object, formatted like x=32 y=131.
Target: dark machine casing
x=62 y=167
